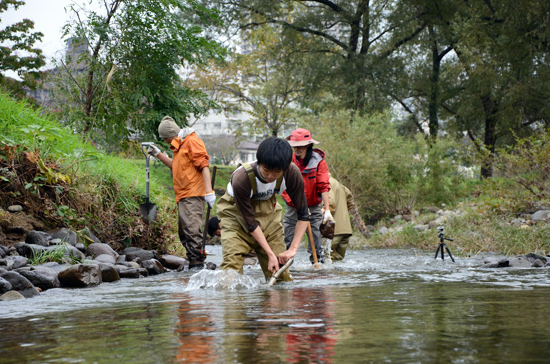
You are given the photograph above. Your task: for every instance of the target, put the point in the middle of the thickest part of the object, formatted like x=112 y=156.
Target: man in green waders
x=250 y=215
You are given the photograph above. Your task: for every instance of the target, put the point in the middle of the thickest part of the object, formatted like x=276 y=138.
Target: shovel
x=148 y=210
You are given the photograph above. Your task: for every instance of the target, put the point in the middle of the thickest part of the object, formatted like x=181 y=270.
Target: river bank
x=37 y=260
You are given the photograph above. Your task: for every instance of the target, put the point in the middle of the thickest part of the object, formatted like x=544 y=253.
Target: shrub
x=387 y=173
x=527 y=165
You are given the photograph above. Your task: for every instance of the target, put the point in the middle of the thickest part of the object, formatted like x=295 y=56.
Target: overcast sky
x=49 y=16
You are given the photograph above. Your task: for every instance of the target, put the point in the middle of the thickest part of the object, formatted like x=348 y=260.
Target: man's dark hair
x=213 y=225
x=274 y=153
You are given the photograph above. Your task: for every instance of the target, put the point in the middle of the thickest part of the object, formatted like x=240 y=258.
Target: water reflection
x=378 y=307
x=312 y=338
x=194 y=331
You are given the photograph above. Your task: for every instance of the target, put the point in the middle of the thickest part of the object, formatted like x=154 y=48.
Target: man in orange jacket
x=192 y=184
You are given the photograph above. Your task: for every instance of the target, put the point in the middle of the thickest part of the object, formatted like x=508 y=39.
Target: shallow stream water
x=379 y=306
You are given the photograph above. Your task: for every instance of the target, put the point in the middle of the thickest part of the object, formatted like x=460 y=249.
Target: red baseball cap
x=300 y=137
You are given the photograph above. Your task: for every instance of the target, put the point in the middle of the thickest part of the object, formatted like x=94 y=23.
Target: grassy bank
x=63 y=180
x=481 y=224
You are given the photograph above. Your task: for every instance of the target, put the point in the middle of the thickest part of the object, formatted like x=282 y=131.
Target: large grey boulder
x=172 y=261
x=96 y=249
x=17 y=261
x=127 y=272
x=56 y=267
x=109 y=273
x=541 y=215
x=153 y=267
x=11 y=296
x=80 y=275
x=20 y=284
x=520 y=262
x=4 y=286
x=30 y=250
x=66 y=235
x=43 y=278
x=38 y=237
x=105 y=258
x=133 y=253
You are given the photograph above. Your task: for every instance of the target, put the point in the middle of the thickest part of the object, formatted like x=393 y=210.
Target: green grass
x=60 y=254
x=481 y=227
x=92 y=188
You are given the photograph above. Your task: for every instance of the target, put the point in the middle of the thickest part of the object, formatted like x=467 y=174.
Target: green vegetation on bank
x=67 y=182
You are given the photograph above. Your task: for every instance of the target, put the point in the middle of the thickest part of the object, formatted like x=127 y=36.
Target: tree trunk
x=490 y=138
x=433 y=102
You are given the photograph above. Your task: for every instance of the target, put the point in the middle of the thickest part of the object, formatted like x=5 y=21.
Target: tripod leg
x=437 y=251
x=442 y=251
x=449 y=252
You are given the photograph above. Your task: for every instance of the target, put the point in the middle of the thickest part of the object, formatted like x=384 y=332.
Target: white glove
x=327 y=216
x=210 y=199
x=153 y=150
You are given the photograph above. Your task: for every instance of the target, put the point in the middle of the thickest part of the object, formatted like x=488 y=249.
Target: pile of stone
x=440 y=217
x=531 y=260
x=82 y=265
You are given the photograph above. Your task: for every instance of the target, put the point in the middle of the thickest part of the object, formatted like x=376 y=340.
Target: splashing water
x=227 y=279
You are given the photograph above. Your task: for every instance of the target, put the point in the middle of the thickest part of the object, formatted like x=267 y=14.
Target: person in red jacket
x=313 y=166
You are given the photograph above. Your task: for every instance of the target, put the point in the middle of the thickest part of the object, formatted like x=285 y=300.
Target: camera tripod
x=442 y=246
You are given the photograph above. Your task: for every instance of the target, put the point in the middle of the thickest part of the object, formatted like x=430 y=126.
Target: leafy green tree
x=130 y=74
x=341 y=44
x=17 y=52
x=420 y=76
x=259 y=82
x=502 y=48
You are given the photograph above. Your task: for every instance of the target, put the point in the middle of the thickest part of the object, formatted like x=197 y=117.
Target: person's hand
x=273 y=263
x=210 y=199
x=153 y=150
x=285 y=256
x=327 y=216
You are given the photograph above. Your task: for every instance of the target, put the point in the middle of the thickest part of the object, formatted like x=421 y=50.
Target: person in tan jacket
x=341 y=202
x=192 y=184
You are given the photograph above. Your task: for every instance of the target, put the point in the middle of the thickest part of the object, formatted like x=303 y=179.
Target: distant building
x=220 y=124
x=73 y=60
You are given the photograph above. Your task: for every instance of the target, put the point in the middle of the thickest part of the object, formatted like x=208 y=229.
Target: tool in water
x=312 y=243
x=442 y=244
x=203 y=249
x=278 y=273
x=148 y=209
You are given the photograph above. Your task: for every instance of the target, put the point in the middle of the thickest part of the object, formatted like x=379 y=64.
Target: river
x=379 y=306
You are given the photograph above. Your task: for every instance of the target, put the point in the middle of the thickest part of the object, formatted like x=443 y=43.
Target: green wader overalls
x=237 y=241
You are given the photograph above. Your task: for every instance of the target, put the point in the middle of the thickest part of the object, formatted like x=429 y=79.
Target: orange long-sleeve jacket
x=190 y=158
